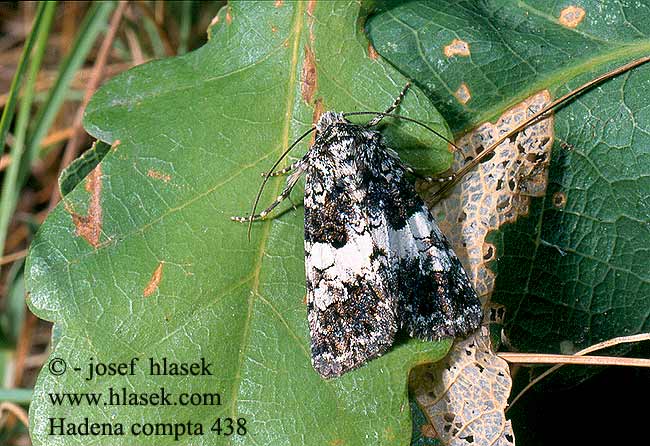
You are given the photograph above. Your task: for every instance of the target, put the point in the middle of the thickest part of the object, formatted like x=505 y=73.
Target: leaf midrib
x=266 y=230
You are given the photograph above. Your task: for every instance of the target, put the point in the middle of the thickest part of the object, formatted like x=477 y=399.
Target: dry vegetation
x=75 y=47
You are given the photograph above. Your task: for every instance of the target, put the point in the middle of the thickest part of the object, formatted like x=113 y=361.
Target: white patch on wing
x=417 y=237
x=328 y=267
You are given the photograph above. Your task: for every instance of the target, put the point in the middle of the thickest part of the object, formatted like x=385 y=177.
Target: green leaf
x=575 y=271
x=82 y=166
x=142 y=260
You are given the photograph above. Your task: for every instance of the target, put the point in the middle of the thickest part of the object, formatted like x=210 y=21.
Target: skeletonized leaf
x=466 y=394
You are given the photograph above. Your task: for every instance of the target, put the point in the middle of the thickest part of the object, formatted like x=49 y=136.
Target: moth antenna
x=457 y=176
x=268 y=175
x=405 y=118
x=377 y=119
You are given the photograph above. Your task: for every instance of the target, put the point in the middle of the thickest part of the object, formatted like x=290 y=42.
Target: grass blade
x=12 y=97
x=38 y=38
x=94 y=22
x=18 y=396
x=185 y=27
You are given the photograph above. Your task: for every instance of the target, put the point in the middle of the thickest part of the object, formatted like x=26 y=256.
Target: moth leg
x=377 y=119
x=291 y=182
x=286 y=170
x=419 y=176
x=436 y=179
x=293 y=205
x=428 y=179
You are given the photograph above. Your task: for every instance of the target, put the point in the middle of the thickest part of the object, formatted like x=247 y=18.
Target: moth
x=375 y=260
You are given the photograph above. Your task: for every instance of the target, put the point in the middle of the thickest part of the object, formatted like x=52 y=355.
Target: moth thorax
x=327 y=119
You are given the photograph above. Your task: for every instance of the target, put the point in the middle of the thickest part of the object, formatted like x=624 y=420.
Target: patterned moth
x=375 y=259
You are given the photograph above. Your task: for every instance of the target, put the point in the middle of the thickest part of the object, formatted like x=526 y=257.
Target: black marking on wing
x=327 y=223
x=350 y=332
x=354 y=187
x=436 y=304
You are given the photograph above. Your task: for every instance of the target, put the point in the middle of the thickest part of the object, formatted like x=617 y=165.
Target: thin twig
x=18 y=234
x=134 y=46
x=15 y=410
x=10 y=258
x=593 y=348
x=542 y=114
x=37 y=360
x=536 y=358
x=72 y=148
x=53 y=138
x=23 y=346
x=57 y=136
x=162 y=32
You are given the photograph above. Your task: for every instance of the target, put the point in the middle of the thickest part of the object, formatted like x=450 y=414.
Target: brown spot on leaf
x=278 y=3
x=571 y=16
x=228 y=16
x=90 y=226
x=115 y=144
x=462 y=94
x=309 y=76
x=156 y=277
x=428 y=431
x=158 y=175
x=337 y=442
x=488 y=252
x=372 y=52
x=559 y=200
x=566 y=146
x=319 y=109
x=457 y=47
x=274 y=29
x=215 y=20
x=389 y=434
x=311 y=6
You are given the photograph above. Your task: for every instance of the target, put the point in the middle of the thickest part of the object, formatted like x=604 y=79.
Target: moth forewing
x=375 y=259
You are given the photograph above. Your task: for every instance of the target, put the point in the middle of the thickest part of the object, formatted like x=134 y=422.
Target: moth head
x=329 y=118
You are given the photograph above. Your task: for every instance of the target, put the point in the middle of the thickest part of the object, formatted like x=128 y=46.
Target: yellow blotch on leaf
x=462 y=94
x=571 y=16
x=457 y=47
x=156 y=277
